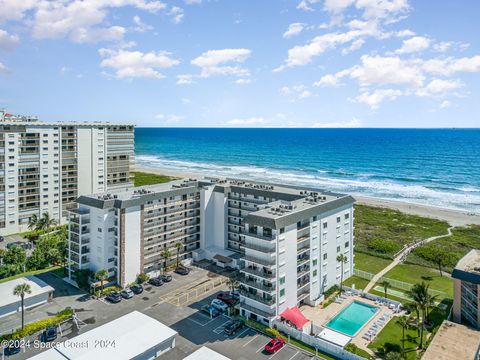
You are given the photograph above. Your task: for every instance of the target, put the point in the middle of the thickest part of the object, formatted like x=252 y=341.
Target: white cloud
x=219 y=62
x=296 y=92
x=445 y=104
x=442 y=46
x=171 y=119
x=249 y=121
x=382 y=9
x=450 y=66
x=374 y=98
x=357 y=44
x=337 y=5
x=8 y=41
x=404 y=33
x=185 y=79
x=177 y=14
x=131 y=64
x=346 y=124
x=3 y=69
x=293 y=30
x=414 y=44
x=328 y=80
x=386 y=70
x=140 y=26
x=243 y=81
x=439 y=87
x=306 y=4
x=192 y=2
x=64 y=70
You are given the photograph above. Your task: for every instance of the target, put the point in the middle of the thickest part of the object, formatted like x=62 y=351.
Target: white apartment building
x=284 y=240
x=45 y=166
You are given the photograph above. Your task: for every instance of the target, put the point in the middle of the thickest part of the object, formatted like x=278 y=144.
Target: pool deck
x=320 y=317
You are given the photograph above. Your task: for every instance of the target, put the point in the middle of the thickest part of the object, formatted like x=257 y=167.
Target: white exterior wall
x=91 y=160
x=132 y=244
x=287 y=267
x=101 y=240
x=213 y=215
x=11 y=182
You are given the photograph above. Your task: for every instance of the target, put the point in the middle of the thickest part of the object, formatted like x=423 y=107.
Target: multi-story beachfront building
x=284 y=240
x=45 y=166
x=466 y=301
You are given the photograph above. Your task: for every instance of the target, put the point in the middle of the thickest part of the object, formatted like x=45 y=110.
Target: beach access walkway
x=401 y=257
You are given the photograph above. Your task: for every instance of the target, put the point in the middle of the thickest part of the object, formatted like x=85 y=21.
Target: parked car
x=233 y=326
x=219 y=305
x=127 y=293
x=114 y=297
x=227 y=298
x=137 y=289
x=166 y=278
x=2 y=238
x=49 y=334
x=13 y=348
x=182 y=270
x=274 y=345
x=235 y=295
x=211 y=311
x=155 y=281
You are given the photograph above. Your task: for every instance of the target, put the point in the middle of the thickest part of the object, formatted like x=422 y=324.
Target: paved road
x=401 y=257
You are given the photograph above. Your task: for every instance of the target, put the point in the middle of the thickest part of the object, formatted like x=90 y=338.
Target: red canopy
x=295 y=316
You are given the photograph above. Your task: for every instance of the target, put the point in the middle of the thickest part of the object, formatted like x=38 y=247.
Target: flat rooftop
x=132 y=334
x=468 y=267
x=453 y=341
x=205 y=353
x=37 y=287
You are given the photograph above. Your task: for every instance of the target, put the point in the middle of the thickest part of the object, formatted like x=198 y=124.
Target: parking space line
x=241 y=333
x=219 y=329
x=249 y=341
x=298 y=352
x=261 y=348
x=275 y=353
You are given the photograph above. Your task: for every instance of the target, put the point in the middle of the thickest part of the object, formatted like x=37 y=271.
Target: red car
x=226 y=298
x=274 y=345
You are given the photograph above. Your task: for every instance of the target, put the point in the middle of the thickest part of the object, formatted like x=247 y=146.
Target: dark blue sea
x=439 y=167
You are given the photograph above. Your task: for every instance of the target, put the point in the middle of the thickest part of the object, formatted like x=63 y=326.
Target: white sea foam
x=460 y=199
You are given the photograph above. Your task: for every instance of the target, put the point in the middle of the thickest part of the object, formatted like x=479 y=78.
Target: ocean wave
x=462 y=198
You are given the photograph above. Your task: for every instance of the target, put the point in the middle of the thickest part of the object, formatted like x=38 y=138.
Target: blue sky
x=302 y=63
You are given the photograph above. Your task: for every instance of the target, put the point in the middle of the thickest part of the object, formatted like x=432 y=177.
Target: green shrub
x=383 y=246
x=39 y=325
x=272 y=332
x=141 y=278
x=110 y=289
x=354 y=349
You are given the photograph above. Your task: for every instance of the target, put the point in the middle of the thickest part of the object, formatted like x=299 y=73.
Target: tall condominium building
x=45 y=166
x=466 y=301
x=284 y=240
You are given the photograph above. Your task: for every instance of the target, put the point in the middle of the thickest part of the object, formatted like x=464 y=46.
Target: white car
x=127 y=293
x=219 y=305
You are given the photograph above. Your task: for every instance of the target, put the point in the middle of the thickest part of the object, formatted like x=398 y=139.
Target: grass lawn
x=358 y=281
x=369 y=263
x=142 y=178
x=384 y=231
x=415 y=273
x=391 y=335
x=33 y=272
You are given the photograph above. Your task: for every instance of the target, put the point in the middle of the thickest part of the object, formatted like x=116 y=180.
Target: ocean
x=439 y=167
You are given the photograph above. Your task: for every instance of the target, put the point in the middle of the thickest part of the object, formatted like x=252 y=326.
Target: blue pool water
x=352 y=318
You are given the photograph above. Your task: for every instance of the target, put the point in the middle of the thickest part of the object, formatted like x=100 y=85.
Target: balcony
x=267 y=300
x=260 y=285
x=303 y=226
x=264 y=273
x=261 y=261
x=263 y=248
x=260 y=236
x=254 y=310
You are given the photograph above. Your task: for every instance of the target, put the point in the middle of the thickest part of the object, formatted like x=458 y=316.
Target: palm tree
x=342 y=259
x=419 y=294
x=178 y=245
x=430 y=301
x=233 y=283
x=101 y=275
x=385 y=284
x=404 y=322
x=165 y=254
x=33 y=222
x=46 y=222
x=21 y=290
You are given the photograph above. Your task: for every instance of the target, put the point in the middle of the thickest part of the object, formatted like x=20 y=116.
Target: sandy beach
x=454 y=217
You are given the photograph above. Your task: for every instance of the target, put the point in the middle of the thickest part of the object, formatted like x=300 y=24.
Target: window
x=314 y=273
x=347 y=244
x=338 y=219
x=347 y=216
x=282 y=230
x=324 y=225
x=325 y=256
x=99 y=229
x=282 y=292
x=314 y=262
x=315 y=218
x=338 y=248
x=282 y=280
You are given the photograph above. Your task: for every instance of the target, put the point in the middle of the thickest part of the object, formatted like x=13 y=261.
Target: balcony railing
x=263 y=248
x=261 y=285
x=261 y=261
x=259 y=272
x=264 y=300
x=254 y=310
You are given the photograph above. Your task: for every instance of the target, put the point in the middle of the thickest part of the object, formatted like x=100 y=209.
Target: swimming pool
x=352 y=318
